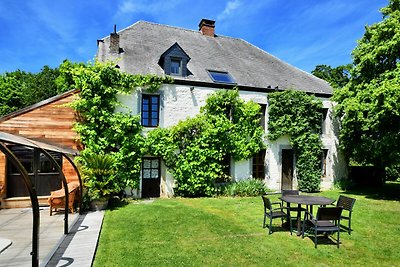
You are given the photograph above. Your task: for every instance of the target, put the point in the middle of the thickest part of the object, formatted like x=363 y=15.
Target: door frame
x=155 y=193
x=287 y=151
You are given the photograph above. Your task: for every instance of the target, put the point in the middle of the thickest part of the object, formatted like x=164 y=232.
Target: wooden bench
x=57 y=198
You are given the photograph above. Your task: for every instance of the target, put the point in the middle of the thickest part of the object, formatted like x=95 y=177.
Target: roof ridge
x=166 y=26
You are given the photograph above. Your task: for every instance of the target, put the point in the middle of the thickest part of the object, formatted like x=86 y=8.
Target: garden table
x=307 y=200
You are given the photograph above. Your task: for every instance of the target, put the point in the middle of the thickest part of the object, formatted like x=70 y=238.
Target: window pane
x=154 y=173
x=146 y=164
x=145 y=107
x=154 y=164
x=175 y=66
x=145 y=122
x=222 y=77
x=46 y=165
x=154 y=108
x=25 y=156
x=146 y=174
x=154 y=100
x=154 y=122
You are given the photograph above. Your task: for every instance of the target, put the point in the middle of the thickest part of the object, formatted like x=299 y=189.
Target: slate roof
x=144 y=42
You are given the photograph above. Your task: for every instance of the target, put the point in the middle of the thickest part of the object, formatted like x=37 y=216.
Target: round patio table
x=307 y=200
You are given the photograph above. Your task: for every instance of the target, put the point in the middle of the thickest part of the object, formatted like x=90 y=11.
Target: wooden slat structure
x=49 y=121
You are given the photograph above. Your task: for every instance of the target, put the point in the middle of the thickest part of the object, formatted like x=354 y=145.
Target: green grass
x=228 y=232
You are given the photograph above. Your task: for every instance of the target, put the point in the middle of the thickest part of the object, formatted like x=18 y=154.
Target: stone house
x=201 y=62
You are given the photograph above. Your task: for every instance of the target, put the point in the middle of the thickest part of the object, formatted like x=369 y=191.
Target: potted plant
x=99 y=176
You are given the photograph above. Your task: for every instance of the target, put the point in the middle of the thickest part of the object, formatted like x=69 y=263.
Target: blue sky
x=35 y=33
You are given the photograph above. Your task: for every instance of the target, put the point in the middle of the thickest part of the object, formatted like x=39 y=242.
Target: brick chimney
x=207 y=27
x=114 y=41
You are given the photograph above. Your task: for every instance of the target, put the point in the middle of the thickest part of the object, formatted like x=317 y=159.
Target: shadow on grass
x=389 y=191
x=116 y=203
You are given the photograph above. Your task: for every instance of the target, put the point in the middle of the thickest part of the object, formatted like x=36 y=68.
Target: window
x=25 y=155
x=150 y=110
x=220 y=76
x=258 y=165
x=324 y=115
x=176 y=67
x=46 y=165
x=324 y=157
x=151 y=168
x=263 y=109
x=174 y=61
x=41 y=170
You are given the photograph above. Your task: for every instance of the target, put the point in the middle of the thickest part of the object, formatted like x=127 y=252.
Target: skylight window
x=220 y=76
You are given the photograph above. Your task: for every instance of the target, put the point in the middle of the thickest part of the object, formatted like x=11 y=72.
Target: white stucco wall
x=178 y=102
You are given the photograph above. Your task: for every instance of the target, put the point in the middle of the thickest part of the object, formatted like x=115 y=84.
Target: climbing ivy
x=298 y=115
x=194 y=149
x=102 y=130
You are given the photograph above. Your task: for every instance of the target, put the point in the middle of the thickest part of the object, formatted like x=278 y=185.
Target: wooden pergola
x=7 y=139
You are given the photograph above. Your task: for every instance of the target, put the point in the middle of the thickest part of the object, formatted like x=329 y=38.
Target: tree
x=337 y=77
x=19 y=89
x=11 y=92
x=369 y=105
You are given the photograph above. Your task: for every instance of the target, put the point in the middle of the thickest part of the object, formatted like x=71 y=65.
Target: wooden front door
x=287 y=169
x=151 y=177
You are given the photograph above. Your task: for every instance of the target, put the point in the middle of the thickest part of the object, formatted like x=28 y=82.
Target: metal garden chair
x=347 y=204
x=327 y=220
x=273 y=213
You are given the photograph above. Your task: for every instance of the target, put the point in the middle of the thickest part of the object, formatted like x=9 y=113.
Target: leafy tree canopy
x=19 y=89
x=337 y=77
x=369 y=104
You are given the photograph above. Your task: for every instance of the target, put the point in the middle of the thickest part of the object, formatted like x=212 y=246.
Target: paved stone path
x=55 y=249
x=79 y=247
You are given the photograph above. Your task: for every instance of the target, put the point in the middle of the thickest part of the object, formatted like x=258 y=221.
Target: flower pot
x=98 y=204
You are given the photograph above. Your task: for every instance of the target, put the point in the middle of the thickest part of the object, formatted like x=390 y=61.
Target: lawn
x=228 y=232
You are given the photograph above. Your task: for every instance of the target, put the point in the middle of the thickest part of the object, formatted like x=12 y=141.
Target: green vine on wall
x=298 y=115
x=102 y=130
x=194 y=149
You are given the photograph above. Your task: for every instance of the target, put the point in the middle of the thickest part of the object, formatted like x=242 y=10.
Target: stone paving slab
x=79 y=246
x=16 y=226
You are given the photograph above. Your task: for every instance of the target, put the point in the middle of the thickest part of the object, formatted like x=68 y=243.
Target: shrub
x=245 y=188
x=344 y=184
x=99 y=175
x=393 y=173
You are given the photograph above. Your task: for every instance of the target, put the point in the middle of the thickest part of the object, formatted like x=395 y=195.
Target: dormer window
x=221 y=77
x=174 y=61
x=176 y=68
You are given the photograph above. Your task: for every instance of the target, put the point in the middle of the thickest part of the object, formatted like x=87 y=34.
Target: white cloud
x=230 y=7
x=127 y=7
x=146 y=7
